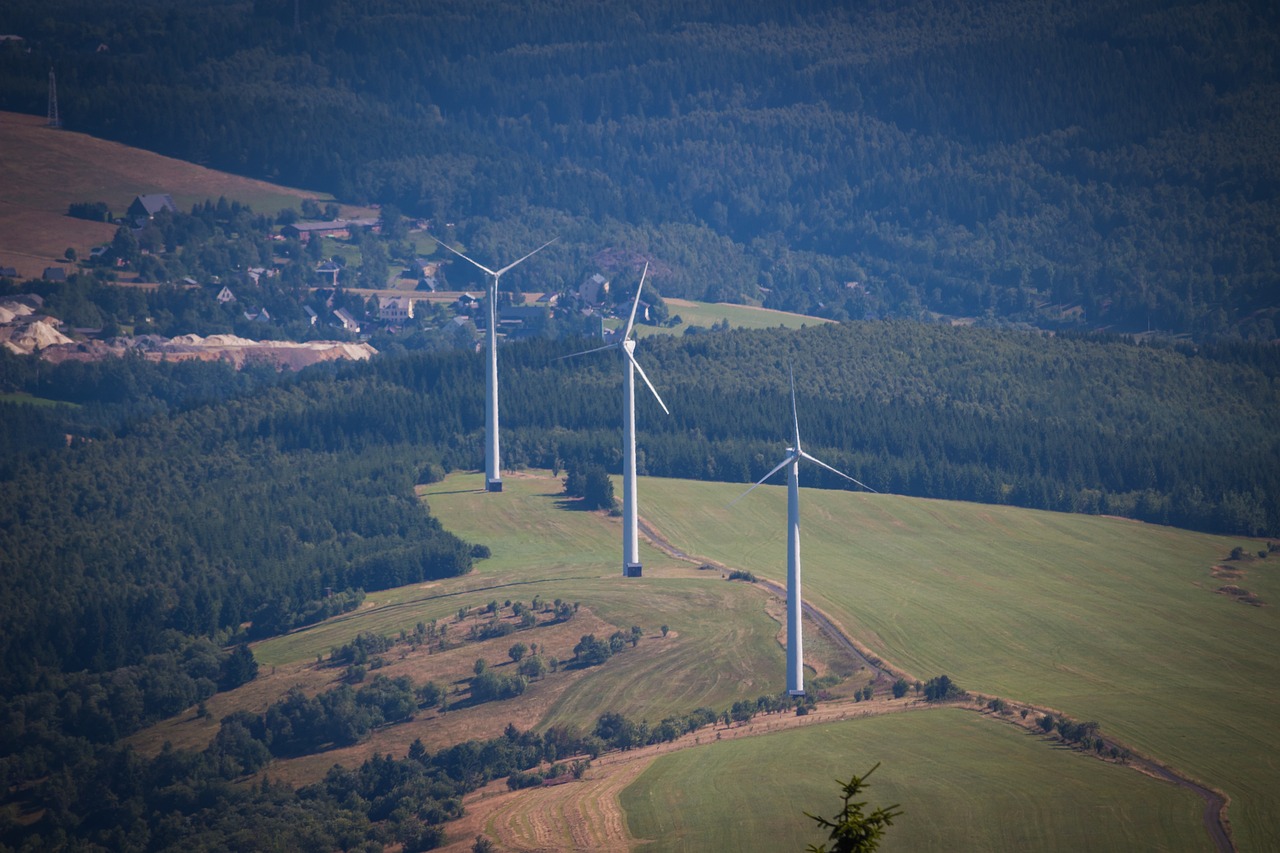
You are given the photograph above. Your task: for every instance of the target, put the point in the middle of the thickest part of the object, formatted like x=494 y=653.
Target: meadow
x=707 y=314
x=1100 y=618
x=963 y=781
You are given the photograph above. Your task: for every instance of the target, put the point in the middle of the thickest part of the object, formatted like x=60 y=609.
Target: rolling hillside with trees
x=1096 y=164
x=214 y=498
x=183 y=509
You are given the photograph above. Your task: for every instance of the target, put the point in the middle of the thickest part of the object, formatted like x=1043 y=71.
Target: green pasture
x=1103 y=619
x=707 y=314
x=21 y=398
x=964 y=782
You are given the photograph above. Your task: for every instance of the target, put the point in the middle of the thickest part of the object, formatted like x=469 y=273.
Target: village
x=298 y=301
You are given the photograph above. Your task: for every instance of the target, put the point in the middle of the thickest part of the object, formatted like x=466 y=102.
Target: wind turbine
x=630 y=534
x=492 y=458
x=795 y=640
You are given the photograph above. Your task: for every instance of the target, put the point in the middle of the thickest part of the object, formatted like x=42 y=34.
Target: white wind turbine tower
x=492 y=458
x=630 y=534
x=795 y=640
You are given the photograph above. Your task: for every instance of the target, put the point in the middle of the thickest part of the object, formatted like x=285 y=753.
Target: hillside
x=46 y=170
x=1094 y=163
x=956 y=567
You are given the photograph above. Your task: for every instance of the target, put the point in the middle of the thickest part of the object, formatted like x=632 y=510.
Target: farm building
x=147 y=206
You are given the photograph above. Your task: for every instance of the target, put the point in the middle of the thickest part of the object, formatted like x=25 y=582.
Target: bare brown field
x=44 y=170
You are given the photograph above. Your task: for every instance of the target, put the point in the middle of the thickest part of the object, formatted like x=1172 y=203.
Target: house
x=54 y=274
x=8 y=272
x=260 y=317
x=466 y=303
x=312 y=316
x=594 y=290
x=225 y=295
x=395 y=309
x=147 y=206
x=549 y=299
x=348 y=322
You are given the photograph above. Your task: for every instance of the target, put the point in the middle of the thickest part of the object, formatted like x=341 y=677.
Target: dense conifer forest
x=1097 y=163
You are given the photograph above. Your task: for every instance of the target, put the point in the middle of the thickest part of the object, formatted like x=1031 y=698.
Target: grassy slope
x=707 y=314
x=1104 y=619
x=541 y=548
x=1003 y=567
x=45 y=170
x=964 y=782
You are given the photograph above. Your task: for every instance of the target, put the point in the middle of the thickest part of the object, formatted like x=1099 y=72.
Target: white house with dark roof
x=395 y=309
x=348 y=322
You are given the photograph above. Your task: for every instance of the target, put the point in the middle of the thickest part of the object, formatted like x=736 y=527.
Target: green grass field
x=964 y=782
x=30 y=400
x=1101 y=618
x=707 y=314
x=1104 y=619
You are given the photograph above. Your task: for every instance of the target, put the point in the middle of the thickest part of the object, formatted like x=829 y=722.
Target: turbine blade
x=636 y=304
x=587 y=351
x=465 y=258
x=817 y=461
x=795 y=418
x=640 y=370
x=776 y=469
x=525 y=258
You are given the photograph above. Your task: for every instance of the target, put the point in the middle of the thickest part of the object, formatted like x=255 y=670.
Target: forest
x=1096 y=164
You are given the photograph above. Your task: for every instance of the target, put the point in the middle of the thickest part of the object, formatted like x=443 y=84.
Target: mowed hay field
x=963 y=781
x=1103 y=619
x=44 y=170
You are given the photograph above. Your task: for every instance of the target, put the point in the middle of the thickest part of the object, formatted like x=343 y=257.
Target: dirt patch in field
x=1231 y=590
x=583 y=815
x=1226 y=573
